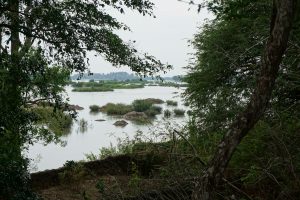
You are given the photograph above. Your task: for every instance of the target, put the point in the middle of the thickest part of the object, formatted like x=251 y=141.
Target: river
x=101 y=134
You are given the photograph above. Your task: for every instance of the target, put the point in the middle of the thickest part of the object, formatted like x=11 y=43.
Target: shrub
x=179 y=112
x=167 y=113
x=171 y=103
x=94 y=108
x=73 y=172
x=158 y=109
x=154 y=101
x=153 y=111
x=56 y=121
x=141 y=105
x=116 y=109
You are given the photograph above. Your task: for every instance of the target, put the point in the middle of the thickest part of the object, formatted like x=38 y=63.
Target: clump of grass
x=116 y=109
x=179 y=112
x=141 y=105
x=94 y=108
x=83 y=125
x=154 y=101
x=158 y=109
x=167 y=113
x=171 y=103
x=153 y=111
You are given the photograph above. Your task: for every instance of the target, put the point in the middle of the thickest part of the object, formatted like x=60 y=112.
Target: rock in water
x=100 y=120
x=135 y=115
x=120 y=123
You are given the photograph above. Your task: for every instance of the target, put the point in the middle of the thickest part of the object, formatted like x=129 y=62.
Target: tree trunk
x=281 y=24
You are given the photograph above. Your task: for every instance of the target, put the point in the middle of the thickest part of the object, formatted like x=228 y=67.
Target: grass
x=171 y=103
x=167 y=113
x=179 y=112
x=92 y=89
x=94 y=108
x=153 y=111
x=158 y=109
x=104 y=86
x=116 y=109
x=141 y=105
x=154 y=101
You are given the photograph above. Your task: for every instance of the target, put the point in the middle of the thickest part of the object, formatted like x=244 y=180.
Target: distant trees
x=41 y=43
x=230 y=74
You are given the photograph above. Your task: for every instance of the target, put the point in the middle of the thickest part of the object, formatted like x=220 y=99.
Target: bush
x=141 y=105
x=158 y=109
x=171 y=103
x=154 y=101
x=73 y=172
x=167 y=113
x=153 y=111
x=56 y=121
x=94 y=108
x=116 y=109
x=179 y=112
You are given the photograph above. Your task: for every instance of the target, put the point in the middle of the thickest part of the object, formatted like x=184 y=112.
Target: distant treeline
x=118 y=76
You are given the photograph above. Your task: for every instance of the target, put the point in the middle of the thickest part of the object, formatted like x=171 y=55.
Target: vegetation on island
x=116 y=109
x=179 y=112
x=167 y=113
x=172 y=103
x=140 y=111
x=104 y=86
x=95 y=108
x=110 y=85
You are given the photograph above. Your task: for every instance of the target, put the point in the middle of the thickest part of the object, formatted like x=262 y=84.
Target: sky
x=164 y=37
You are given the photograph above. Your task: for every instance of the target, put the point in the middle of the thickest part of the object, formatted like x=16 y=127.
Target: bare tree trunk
x=281 y=24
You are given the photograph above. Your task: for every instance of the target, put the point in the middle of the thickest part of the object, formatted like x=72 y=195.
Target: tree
x=41 y=43
x=281 y=25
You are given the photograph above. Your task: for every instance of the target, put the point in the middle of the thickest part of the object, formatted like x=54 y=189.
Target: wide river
x=101 y=134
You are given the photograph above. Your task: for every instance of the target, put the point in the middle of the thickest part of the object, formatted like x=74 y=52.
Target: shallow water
x=100 y=134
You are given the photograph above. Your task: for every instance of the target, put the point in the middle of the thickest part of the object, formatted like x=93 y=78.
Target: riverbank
x=96 y=179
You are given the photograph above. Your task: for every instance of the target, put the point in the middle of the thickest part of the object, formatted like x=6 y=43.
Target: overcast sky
x=165 y=37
